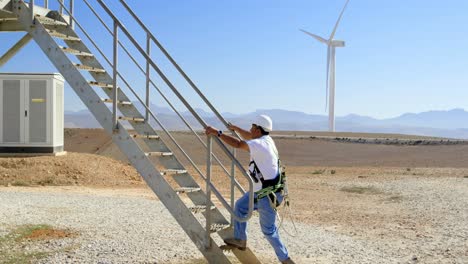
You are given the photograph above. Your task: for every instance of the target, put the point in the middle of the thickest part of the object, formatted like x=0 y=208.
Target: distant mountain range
x=450 y=124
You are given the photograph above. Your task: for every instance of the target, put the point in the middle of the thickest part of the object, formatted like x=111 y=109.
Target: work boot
x=237 y=243
x=288 y=261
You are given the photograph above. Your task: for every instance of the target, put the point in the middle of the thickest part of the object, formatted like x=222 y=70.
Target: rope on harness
x=270 y=193
x=270 y=188
x=286 y=204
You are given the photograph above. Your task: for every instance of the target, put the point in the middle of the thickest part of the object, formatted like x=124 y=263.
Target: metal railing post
x=31 y=7
x=233 y=181
x=186 y=104
x=46 y=4
x=179 y=69
x=114 y=75
x=153 y=66
x=148 y=50
x=208 y=192
x=71 y=13
x=61 y=7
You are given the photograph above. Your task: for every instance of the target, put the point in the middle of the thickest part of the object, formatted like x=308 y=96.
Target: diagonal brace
x=13 y=50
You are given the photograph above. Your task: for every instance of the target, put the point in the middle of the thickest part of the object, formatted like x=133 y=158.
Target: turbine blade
x=315 y=36
x=338 y=21
x=328 y=78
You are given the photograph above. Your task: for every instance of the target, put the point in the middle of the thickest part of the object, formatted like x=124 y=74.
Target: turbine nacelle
x=337 y=43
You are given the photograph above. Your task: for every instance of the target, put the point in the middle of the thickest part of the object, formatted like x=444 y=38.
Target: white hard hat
x=265 y=122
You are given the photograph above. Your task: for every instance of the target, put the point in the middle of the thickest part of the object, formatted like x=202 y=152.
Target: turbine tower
x=330 y=87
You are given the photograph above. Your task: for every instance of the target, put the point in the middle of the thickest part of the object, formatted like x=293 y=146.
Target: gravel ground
x=433 y=220
x=114 y=227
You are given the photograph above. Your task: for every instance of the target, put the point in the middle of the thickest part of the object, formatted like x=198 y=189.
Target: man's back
x=263 y=151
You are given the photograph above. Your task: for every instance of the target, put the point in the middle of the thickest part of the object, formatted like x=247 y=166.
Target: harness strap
x=255 y=172
x=270 y=188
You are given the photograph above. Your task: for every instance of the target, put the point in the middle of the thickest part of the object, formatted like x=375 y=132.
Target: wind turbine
x=330 y=88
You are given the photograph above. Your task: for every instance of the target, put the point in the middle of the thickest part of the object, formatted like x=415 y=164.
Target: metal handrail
x=150 y=62
x=182 y=99
x=213 y=188
x=32 y=3
x=179 y=69
x=151 y=113
x=159 y=91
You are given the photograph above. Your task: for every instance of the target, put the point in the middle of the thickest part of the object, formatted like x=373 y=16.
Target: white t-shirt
x=263 y=151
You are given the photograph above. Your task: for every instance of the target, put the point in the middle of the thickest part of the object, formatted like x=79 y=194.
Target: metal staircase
x=102 y=90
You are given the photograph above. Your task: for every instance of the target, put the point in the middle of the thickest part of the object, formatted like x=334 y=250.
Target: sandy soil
x=346 y=187
x=94 y=161
x=70 y=169
x=302 y=151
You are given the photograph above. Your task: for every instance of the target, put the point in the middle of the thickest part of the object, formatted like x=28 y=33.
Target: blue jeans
x=267 y=222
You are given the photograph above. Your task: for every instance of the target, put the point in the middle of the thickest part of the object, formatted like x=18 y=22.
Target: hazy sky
x=400 y=56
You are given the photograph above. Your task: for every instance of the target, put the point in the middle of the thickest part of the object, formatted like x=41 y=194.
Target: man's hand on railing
x=230 y=140
x=211 y=131
x=242 y=132
x=232 y=127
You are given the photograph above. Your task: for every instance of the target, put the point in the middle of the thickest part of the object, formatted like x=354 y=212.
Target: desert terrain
x=355 y=198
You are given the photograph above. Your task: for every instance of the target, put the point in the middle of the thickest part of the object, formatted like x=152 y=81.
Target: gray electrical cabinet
x=31 y=113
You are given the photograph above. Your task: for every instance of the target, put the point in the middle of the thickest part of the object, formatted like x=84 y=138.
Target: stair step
x=218 y=227
x=199 y=208
x=118 y=102
x=76 y=52
x=133 y=119
x=145 y=136
x=157 y=153
x=50 y=22
x=173 y=172
x=56 y=34
x=121 y=136
x=101 y=84
x=5 y=19
x=88 y=68
x=187 y=189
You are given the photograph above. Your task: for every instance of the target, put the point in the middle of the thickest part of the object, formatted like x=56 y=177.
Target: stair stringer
x=92 y=99
x=198 y=198
x=124 y=141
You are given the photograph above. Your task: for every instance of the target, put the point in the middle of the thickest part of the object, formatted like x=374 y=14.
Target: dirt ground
x=301 y=149
x=325 y=177
x=93 y=160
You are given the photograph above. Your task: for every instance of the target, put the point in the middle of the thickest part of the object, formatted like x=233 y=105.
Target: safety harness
x=270 y=187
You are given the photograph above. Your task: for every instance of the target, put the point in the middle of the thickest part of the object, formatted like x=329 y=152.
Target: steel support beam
x=5 y=4
x=13 y=50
